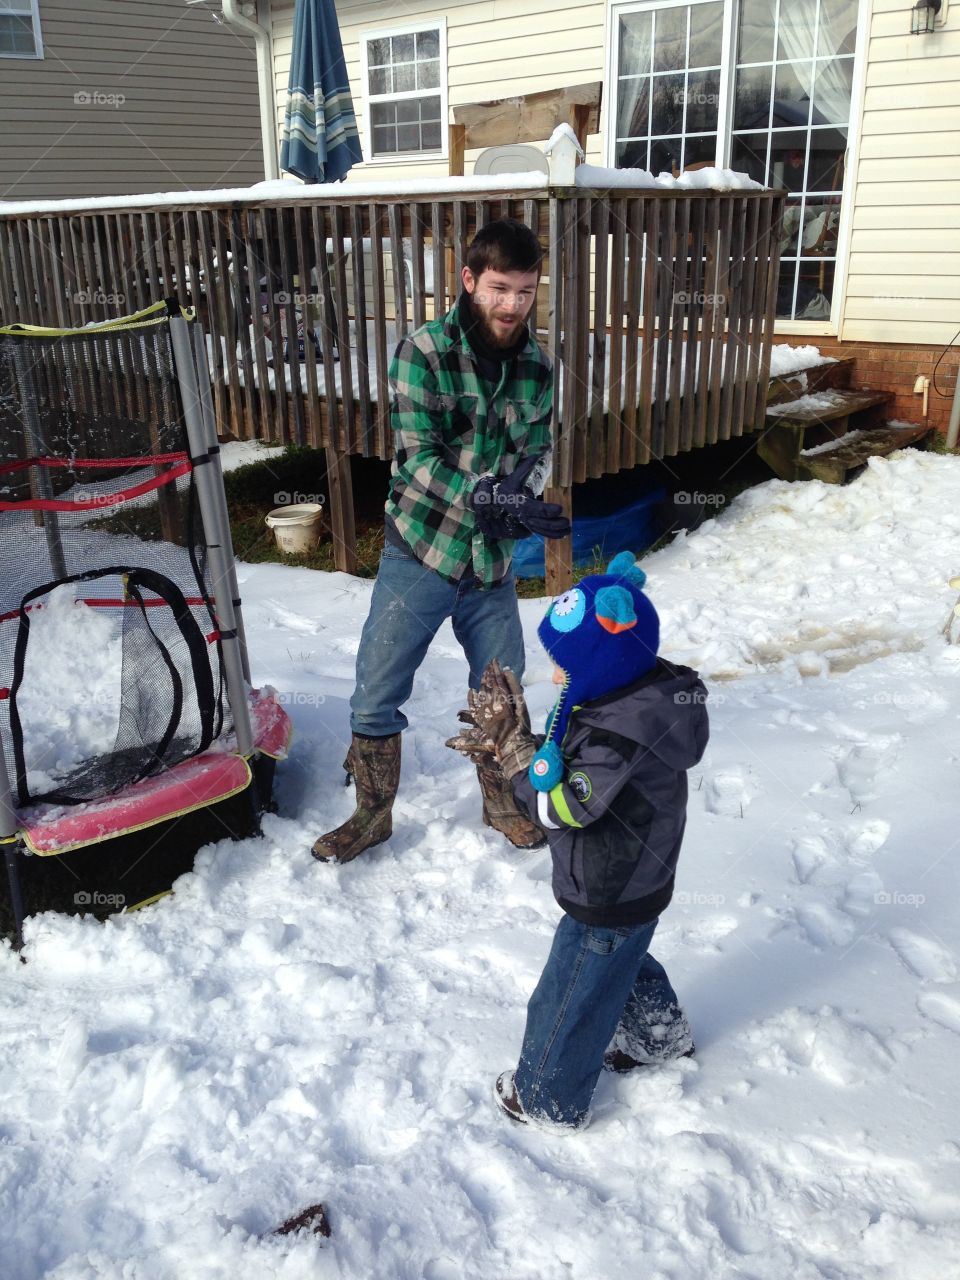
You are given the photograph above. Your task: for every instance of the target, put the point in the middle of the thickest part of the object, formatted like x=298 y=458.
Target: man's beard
x=490 y=335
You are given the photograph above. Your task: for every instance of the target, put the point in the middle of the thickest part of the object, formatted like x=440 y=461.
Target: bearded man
x=471 y=402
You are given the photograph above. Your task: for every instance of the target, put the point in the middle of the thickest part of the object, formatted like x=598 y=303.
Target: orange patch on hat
x=609 y=624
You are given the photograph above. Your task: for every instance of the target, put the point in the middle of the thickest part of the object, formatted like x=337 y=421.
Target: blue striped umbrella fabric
x=320 y=141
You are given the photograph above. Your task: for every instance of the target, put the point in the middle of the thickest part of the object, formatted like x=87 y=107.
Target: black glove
x=507 y=509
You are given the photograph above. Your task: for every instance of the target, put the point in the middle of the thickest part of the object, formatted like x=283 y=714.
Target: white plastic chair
x=513 y=158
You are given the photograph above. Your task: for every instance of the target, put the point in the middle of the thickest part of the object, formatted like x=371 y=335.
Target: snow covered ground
x=177 y=1081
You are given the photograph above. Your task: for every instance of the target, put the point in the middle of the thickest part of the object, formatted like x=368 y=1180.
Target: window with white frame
x=405 y=90
x=20 y=29
x=760 y=86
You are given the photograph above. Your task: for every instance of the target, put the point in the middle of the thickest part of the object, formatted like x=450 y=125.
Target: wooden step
x=818 y=377
x=814 y=420
x=828 y=405
x=840 y=462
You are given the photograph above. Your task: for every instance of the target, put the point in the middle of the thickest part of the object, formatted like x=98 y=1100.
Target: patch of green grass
x=938 y=444
x=535 y=588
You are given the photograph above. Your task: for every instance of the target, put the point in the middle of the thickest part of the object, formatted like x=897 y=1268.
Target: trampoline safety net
x=111 y=653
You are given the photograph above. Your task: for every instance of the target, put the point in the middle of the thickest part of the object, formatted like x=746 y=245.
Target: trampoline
x=125 y=693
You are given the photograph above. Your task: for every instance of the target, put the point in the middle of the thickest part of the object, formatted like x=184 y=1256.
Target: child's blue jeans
x=596 y=983
x=409 y=605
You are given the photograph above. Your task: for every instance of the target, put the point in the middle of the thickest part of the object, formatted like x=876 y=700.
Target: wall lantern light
x=923 y=17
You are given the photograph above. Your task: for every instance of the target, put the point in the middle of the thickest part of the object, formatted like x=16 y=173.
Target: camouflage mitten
x=474 y=743
x=502 y=714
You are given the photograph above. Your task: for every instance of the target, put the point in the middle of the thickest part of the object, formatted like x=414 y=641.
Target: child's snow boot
x=648 y=1039
x=375 y=765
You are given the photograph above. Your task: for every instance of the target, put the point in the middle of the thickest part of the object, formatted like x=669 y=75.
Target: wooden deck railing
x=658 y=308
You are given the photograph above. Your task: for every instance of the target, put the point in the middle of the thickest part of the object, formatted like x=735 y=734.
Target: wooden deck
x=657 y=307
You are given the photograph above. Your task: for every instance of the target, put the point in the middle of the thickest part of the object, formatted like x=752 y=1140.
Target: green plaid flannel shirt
x=450 y=427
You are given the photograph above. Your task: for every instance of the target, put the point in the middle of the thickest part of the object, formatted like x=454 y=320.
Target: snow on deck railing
x=585 y=175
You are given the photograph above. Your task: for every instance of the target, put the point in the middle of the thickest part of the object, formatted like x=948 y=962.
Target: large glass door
x=768 y=94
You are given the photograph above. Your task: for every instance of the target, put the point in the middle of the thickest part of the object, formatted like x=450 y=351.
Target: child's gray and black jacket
x=615 y=823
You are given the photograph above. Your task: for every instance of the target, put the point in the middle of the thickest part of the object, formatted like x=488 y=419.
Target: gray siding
x=171 y=103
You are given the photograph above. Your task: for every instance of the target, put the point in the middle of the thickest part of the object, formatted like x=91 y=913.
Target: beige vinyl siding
x=903 y=276
x=189 y=116
x=494 y=49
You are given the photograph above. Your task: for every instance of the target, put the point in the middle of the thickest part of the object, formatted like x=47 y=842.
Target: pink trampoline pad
x=272 y=729
x=191 y=784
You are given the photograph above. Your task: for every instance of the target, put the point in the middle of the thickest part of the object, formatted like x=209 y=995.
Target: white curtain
x=831 y=89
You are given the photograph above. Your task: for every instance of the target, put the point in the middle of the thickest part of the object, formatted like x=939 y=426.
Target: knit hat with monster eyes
x=603 y=634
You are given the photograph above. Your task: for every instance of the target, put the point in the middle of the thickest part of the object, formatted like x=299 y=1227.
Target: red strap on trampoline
x=102 y=602
x=99 y=500
x=4 y=693
x=78 y=464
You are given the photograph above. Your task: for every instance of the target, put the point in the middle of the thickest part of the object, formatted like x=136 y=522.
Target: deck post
x=558 y=552
x=342 y=525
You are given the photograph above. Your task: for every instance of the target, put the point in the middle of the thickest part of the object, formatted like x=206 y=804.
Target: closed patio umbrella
x=320 y=141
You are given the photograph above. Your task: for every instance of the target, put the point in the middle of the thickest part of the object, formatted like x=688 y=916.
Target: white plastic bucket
x=297 y=527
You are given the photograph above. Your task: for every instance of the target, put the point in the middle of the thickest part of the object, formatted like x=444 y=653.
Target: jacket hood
x=665 y=712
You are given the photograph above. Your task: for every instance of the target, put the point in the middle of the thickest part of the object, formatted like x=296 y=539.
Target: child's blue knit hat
x=604 y=635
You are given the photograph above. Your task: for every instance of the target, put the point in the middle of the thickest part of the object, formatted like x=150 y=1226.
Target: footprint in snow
x=924 y=956
x=825 y=927
x=703 y=935
x=824 y=853
x=865 y=838
x=825 y=1042
x=810 y=853
x=861 y=767
x=862 y=894
x=942 y=1009
x=729 y=791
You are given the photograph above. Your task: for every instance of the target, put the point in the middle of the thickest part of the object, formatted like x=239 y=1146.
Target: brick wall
x=887 y=366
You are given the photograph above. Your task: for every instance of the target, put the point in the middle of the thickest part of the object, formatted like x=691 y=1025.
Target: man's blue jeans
x=596 y=983
x=410 y=602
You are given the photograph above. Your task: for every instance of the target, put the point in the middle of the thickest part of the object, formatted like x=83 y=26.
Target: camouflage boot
x=375 y=765
x=500 y=809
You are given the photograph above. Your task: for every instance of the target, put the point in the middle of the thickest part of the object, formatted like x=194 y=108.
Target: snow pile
x=815 y=402
x=709 y=179
x=69 y=701
x=279 y=1032
x=828 y=446
x=785 y=359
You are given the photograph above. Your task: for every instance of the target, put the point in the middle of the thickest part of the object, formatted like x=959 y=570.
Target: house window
x=405 y=89
x=669 y=87
x=20 y=29
x=758 y=86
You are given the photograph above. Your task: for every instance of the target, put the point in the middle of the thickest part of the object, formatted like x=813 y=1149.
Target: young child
x=609 y=785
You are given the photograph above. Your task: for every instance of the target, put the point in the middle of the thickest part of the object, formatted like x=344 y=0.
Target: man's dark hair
x=504 y=245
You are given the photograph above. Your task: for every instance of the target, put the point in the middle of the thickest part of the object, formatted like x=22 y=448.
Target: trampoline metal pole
x=221 y=513
x=37 y=448
x=8 y=816
x=11 y=850
x=206 y=479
